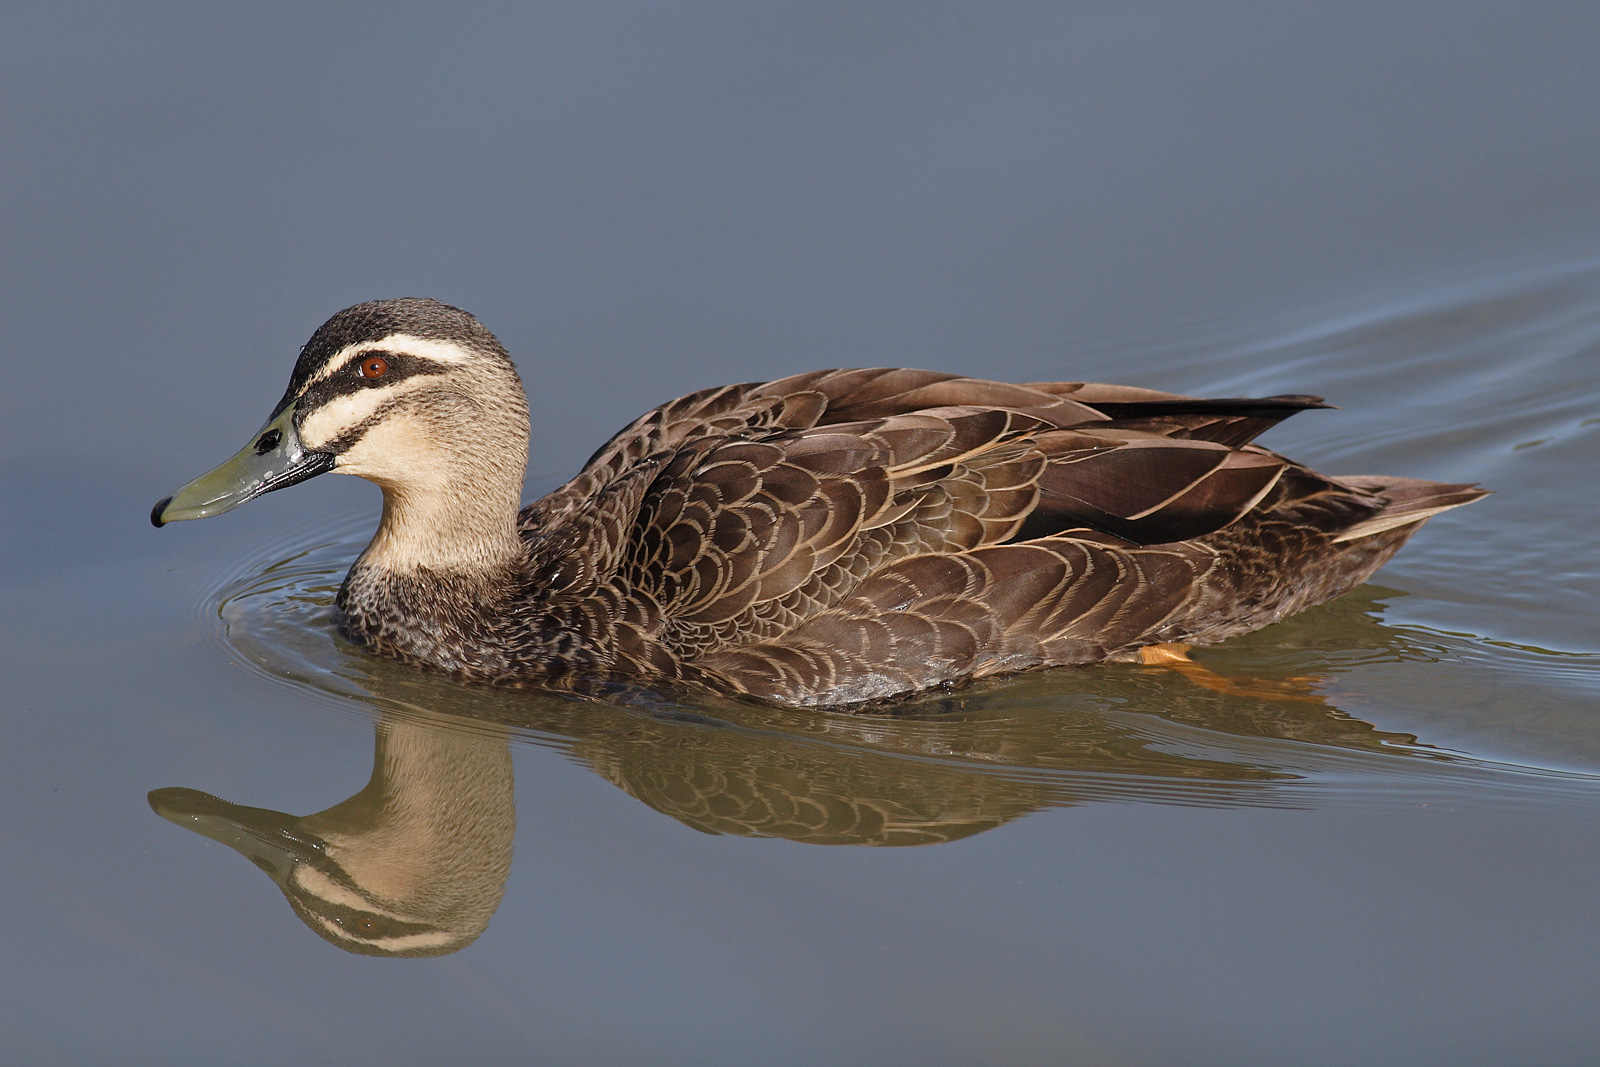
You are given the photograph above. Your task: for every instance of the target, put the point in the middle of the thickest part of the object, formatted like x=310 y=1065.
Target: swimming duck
x=831 y=538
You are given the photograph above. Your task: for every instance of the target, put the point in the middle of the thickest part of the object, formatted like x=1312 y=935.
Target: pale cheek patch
x=339 y=416
x=391 y=867
x=324 y=425
x=397 y=451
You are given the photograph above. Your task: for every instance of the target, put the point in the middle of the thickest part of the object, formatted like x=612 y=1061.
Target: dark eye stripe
x=352 y=921
x=356 y=924
x=397 y=366
x=348 y=379
x=366 y=925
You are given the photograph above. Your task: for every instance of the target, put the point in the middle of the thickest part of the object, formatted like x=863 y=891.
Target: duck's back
x=853 y=535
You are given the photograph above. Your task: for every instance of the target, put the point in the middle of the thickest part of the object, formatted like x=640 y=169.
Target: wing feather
x=848 y=535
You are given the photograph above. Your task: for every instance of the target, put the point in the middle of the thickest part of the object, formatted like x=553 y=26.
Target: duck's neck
x=465 y=532
x=433 y=583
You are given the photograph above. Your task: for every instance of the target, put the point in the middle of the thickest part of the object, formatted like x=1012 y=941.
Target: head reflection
x=412 y=865
x=416 y=863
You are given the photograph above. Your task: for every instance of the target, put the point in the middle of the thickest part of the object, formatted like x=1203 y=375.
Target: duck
x=841 y=538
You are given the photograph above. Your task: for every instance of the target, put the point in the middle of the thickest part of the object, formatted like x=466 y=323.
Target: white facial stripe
x=316 y=884
x=427 y=939
x=446 y=352
x=347 y=412
x=313 y=881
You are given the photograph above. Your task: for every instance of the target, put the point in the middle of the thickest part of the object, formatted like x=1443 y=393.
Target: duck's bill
x=267 y=838
x=274 y=459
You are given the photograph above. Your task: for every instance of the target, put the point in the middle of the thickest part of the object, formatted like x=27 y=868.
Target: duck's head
x=412 y=394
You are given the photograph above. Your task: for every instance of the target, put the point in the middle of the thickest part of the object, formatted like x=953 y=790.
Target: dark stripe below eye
x=343 y=442
x=348 y=382
x=356 y=923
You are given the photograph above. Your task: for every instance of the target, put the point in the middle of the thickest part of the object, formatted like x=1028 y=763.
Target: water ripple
x=1288 y=732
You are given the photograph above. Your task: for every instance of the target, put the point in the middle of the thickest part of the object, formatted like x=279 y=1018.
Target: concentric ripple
x=1288 y=723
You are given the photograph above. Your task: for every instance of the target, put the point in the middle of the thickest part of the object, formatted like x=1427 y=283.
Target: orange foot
x=1176 y=655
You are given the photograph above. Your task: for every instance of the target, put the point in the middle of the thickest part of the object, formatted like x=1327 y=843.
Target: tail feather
x=1407 y=501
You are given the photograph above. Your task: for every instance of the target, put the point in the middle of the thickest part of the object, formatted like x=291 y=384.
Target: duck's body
x=824 y=539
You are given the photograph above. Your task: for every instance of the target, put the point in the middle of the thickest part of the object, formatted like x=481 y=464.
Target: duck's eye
x=374 y=367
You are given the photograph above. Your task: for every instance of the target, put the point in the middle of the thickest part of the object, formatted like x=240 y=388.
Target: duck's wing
x=1145 y=488
x=803 y=401
x=724 y=540
x=727 y=411
x=846 y=535
x=851 y=561
x=919 y=619
x=738 y=536
x=834 y=397
x=1232 y=421
x=1146 y=466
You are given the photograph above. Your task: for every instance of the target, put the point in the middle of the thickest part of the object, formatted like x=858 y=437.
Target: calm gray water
x=1380 y=845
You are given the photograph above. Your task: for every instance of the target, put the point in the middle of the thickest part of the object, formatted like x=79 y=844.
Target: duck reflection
x=416 y=862
x=412 y=865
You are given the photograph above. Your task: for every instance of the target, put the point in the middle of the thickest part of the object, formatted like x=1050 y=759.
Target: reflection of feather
x=416 y=862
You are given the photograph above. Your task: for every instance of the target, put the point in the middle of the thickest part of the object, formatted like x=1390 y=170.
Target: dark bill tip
x=155 y=513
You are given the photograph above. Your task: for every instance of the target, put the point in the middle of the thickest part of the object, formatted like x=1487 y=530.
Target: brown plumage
x=835 y=537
